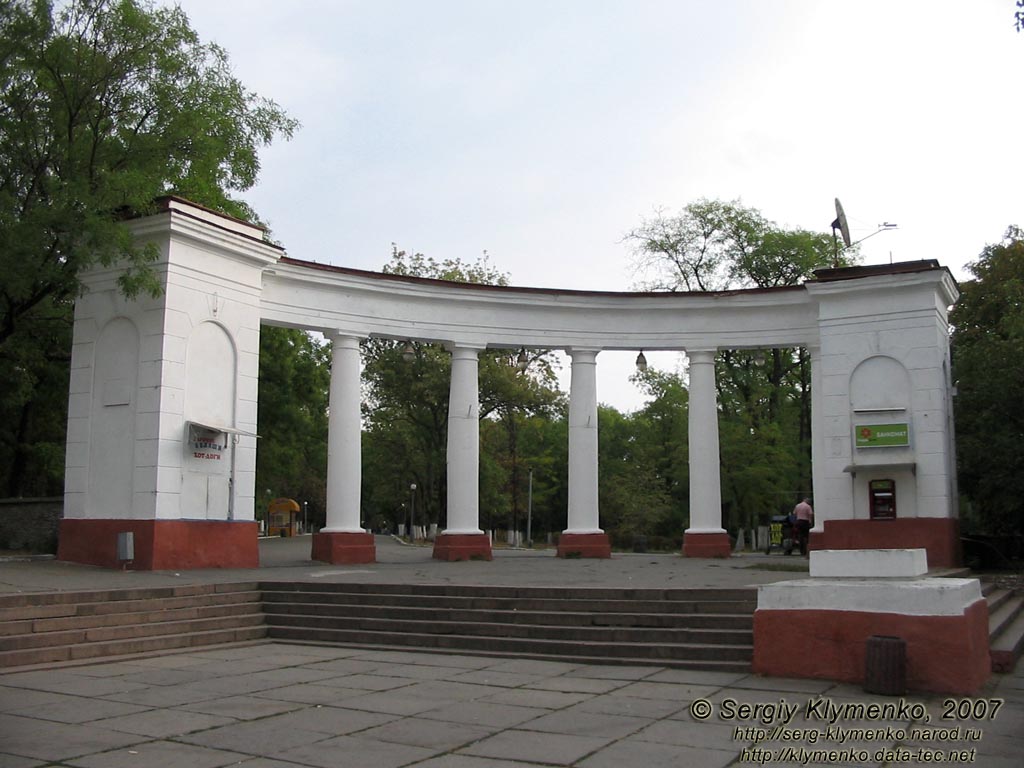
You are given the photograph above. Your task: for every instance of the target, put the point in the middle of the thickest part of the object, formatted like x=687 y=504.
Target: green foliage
x=713 y=245
x=295 y=381
x=105 y=105
x=634 y=498
x=988 y=366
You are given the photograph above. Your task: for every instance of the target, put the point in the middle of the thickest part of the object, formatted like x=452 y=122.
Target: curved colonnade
x=349 y=305
x=219 y=271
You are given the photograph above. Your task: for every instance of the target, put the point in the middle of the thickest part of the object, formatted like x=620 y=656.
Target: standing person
x=804 y=519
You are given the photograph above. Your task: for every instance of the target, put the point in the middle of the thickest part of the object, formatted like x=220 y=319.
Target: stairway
x=1005 y=625
x=48 y=627
x=708 y=629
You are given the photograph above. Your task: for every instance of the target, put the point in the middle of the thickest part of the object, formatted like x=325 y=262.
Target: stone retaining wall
x=30 y=524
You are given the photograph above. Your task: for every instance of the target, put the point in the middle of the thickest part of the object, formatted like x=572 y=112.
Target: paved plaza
x=278 y=705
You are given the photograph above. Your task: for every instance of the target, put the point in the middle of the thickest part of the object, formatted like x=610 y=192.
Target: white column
x=464 y=444
x=344 y=460
x=583 y=503
x=817 y=440
x=705 y=484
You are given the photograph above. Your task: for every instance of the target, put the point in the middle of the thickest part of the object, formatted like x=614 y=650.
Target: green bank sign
x=882 y=435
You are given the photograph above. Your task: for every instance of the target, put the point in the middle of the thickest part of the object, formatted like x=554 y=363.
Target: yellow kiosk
x=283 y=518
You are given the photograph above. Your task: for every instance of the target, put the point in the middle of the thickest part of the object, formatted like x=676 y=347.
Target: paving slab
x=531 y=697
x=432 y=734
x=44 y=740
x=653 y=755
x=532 y=747
x=77 y=709
x=164 y=723
x=160 y=754
x=484 y=713
x=13 y=761
x=579 y=723
x=355 y=752
x=241 y=707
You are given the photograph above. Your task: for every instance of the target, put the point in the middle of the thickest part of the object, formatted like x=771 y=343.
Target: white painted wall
x=196 y=359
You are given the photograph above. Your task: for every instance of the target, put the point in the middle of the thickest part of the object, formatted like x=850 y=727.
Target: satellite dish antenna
x=843 y=228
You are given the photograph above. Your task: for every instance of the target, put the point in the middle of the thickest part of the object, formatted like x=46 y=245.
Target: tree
x=713 y=245
x=105 y=105
x=988 y=366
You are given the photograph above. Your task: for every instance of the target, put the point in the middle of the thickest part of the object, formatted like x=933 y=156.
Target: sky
x=543 y=132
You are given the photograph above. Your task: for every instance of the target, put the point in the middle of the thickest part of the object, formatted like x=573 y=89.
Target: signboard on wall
x=882 y=435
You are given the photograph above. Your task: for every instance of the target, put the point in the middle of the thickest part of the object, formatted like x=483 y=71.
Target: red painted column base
x=945 y=654
x=344 y=547
x=462 y=546
x=584 y=545
x=161 y=545
x=706 y=545
x=940 y=536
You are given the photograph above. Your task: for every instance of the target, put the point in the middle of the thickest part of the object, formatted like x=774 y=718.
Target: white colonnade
x=463 y=537
x=879 y=352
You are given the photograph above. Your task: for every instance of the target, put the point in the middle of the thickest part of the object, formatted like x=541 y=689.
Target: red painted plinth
x=706 y=545
x=940 y=536
x=462 y=546
x=161 y=545
x=344 y=548
x=584 y=545
x=945 y=654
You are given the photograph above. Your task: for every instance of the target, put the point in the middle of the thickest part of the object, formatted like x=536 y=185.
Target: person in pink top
x=804 y=519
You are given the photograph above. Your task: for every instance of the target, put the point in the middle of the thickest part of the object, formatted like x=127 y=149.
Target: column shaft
x=583 y=501
x=464 y=444
x=705 y=484
x=344 y=459
x=817 y=441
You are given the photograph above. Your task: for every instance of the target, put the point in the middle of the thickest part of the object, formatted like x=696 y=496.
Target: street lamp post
x=412 y=510
x=529 y=510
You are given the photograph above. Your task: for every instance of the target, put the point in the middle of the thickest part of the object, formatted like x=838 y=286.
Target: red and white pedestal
x=819 y=627
x=462 y=546
x=161 y=545
x=344 y=547
x=596 y=545
x=939 y=536
x=706 y=545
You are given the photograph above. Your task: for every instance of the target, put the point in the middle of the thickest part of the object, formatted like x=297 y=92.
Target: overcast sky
x=542 y=132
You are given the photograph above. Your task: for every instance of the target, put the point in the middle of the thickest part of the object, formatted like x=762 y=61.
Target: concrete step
x=62 y=653
x=1002 y=605
x=93 y=621
x=708 y=629
x=502 y=603
x=445 y=626
x=1006 y=632
x=650 y=652
x=90 y=605
x=691 y=628
x=557 y=593
x=120 y=595
x=39 y=628
x=711 y=665
x=125 y=632
x=550 y=618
